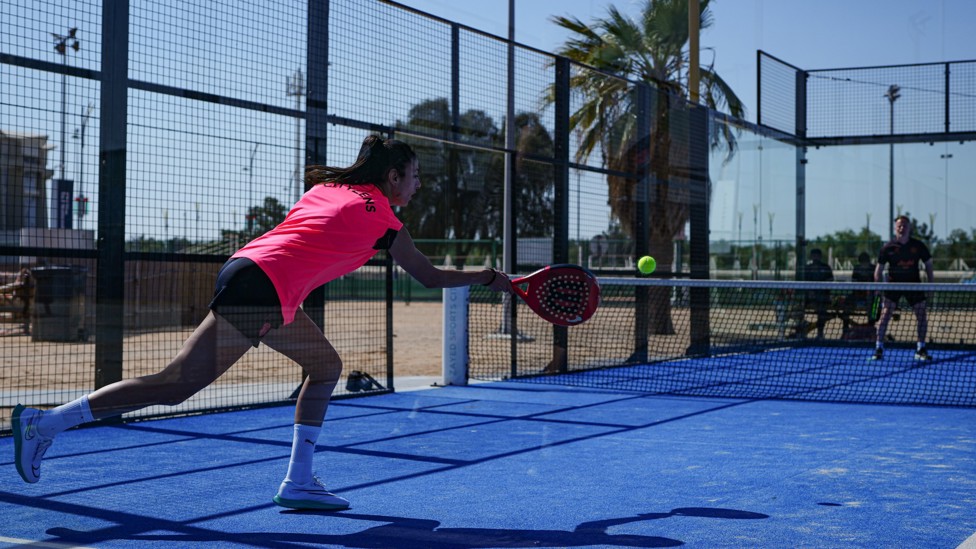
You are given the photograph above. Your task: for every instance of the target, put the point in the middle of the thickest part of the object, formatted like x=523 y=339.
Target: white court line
x=969 y=543
x=49 y=544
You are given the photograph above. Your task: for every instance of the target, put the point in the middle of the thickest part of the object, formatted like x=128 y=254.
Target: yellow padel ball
x=646 y=264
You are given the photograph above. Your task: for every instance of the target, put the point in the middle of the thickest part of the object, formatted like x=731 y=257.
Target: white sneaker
x=29 y=445
x=309 y=496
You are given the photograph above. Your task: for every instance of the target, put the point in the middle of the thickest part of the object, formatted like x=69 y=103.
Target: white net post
x=454 y=361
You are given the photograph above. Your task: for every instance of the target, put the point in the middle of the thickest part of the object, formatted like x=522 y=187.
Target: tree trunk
x=668 y=207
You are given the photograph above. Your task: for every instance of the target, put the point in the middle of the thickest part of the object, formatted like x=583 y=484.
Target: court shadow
x=405 y=533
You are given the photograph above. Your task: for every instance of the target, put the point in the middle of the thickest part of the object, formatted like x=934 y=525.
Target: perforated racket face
x=565 y=295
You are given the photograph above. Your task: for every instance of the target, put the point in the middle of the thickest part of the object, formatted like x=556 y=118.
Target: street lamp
x=946 y=157
x=61 y=45
x=82 y=200
x=893 y=93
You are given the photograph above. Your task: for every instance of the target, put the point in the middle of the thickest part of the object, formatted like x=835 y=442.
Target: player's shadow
x=407 y=533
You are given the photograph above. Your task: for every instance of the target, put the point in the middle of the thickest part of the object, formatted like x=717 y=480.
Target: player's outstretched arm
x=405 y=252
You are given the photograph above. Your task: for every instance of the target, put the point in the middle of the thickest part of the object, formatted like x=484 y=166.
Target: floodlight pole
x=61 y=45
x=892 y=94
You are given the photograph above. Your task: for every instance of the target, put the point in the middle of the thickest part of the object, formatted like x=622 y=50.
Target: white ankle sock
x=302 y=452
x=65 y=417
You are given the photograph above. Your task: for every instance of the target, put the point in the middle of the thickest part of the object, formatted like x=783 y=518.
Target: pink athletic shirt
x=333 y=230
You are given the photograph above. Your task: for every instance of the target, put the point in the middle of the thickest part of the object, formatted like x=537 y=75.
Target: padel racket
x=565 y=295
x=874 y=313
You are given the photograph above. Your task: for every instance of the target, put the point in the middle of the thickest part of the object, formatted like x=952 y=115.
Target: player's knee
x=326 y=370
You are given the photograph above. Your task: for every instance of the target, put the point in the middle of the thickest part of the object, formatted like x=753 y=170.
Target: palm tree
x=651 y=51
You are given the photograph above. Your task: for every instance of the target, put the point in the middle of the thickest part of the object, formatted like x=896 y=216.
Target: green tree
x=650 y=50
x=534 y=183
x=960 y=245
x=462 y=187
x=263 y=218
x=144 y=244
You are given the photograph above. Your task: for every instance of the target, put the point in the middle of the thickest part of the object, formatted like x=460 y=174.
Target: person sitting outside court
x=19 y=293
x=818 y=271
x=859 y=300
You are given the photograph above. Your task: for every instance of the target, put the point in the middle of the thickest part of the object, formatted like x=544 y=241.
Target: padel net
x=736 y=339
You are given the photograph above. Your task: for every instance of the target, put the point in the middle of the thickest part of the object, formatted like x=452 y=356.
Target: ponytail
x=377 y=156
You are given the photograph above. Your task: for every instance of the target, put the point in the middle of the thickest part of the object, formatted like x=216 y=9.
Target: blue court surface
x=513 y=464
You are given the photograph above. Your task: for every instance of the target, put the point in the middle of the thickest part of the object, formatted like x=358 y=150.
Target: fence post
x=110 y=278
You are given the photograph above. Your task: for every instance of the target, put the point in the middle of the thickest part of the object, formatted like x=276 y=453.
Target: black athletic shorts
x=911 y=297
x=246 y=297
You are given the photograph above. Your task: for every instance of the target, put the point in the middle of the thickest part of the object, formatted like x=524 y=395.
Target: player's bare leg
x=303 y=342
x=209 y=352
x=212 y=348
x=887 y=310
x=922 y=318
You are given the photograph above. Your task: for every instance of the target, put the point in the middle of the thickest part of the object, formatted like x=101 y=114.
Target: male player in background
x=902 y=255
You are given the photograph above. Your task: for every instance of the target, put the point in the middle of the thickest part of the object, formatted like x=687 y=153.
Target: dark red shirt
x=903 y=259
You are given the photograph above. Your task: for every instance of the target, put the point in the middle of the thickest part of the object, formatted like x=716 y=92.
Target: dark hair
x=377 y=157
x=864 y=257
x=816 y=252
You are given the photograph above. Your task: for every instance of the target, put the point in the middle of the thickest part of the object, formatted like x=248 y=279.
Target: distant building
x=23 y=181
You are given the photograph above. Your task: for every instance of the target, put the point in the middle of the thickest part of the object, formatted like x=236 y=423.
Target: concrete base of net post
x=454 y=361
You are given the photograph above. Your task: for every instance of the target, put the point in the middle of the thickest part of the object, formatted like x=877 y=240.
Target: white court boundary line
x=49 y=544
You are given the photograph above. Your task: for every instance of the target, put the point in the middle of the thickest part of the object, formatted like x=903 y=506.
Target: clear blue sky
x=847 y=188
x=811 y=34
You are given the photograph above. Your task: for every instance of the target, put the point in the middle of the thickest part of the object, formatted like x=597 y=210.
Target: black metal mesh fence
x=178 y=132
x=214 y=141
x=777 y=94
x=846 y=102
x=913 y=101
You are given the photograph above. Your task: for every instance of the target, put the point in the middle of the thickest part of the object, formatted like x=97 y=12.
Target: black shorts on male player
x=903 y=255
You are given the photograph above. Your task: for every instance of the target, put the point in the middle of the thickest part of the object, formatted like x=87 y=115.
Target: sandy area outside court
x=60 y=369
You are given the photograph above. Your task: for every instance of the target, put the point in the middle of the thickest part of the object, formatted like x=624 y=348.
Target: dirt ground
x=26 y=365
x=417 y=330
